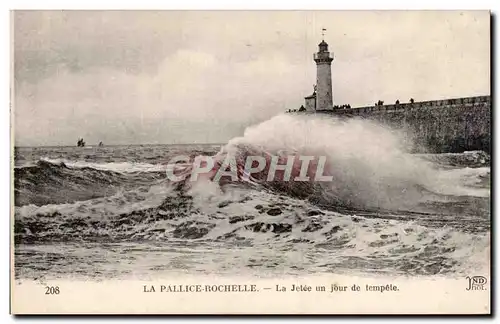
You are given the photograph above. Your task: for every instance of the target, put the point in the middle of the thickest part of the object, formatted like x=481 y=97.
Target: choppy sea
x=111 y=212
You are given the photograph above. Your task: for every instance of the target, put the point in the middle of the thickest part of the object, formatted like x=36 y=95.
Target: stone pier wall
x=451 y=125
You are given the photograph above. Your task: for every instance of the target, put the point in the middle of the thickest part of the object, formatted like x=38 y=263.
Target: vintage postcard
x=250 y=162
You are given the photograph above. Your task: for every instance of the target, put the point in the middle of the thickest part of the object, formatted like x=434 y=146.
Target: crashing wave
x=55 y=182
x=367 y=163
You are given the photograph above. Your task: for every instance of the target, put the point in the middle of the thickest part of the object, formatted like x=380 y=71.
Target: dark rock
x=236 y=219
x=274 y=212
x=160 y=230
x=281 y=228
x=192 y=230
x=223 y=204
x=255 y=227
x=313 y=226
x=245 y=199
x=384 y=236
x=177 y=203
x=334 y=230
x=314 y=213
x=300 y=240
x=228 y=235
x=259 y=207
x=265 y=227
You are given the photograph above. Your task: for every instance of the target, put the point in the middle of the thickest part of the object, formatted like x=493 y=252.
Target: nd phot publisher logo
x=476 y=283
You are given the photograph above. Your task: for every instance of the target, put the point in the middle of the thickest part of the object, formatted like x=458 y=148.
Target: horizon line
x=108 y=145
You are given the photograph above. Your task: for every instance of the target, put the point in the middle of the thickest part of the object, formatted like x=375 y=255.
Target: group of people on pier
x=348 y=106
x=381 y=102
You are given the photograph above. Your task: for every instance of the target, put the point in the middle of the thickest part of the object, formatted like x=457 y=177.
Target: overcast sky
x=126 y=77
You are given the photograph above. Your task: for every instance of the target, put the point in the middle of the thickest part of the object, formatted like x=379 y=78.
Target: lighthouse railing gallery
x=322 y=55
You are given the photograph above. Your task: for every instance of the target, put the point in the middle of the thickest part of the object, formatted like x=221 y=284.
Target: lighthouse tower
x=324 y=93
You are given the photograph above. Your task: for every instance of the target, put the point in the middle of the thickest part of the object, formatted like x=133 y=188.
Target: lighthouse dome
x=323 y=46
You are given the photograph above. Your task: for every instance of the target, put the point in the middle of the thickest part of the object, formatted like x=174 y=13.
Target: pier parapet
x=449 y=125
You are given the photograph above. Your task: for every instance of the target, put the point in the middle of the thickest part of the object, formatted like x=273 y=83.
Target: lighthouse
x=324 y=93
x=322 y=97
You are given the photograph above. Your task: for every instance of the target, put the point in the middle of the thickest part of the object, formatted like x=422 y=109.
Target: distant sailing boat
x=101 y=144
x=80 y=143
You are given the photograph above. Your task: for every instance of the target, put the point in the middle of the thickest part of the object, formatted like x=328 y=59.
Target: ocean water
x=97 y=213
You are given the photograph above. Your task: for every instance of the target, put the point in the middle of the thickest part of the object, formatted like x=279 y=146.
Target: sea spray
x=366 y=164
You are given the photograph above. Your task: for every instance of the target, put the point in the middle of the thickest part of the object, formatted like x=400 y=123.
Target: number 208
x=52 y=290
